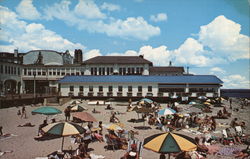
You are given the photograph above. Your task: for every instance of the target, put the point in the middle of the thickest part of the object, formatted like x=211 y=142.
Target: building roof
x=117 y=60
x=166 y=69
x=195 y=79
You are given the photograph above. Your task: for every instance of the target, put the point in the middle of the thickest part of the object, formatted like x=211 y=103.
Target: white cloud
x=223 y=37
x=110 y=7
x=215 y=70
x=26 y=10
x=26 y=37
x=235 y=81
x=159 y=17
x=91 y=54
x=88 y=9
x=132 y=27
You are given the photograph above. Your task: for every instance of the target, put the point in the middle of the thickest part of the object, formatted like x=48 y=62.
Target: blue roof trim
x=195 y=79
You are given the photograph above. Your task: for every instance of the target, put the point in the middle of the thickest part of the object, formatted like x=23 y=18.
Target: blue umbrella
x=166 y=111
x=46 y=111
x=146 y=100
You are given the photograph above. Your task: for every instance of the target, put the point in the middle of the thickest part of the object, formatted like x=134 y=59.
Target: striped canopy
x=77 y=108
x=46 y=111
x=63 y=129
x=166 y=111
x=169 y=143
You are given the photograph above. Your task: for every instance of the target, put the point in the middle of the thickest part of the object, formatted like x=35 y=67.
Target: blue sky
x=209 y=36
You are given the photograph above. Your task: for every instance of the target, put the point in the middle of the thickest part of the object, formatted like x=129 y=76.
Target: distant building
x=43 y=69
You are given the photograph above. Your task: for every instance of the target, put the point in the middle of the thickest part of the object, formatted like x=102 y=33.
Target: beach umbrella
x=77 y=108
x=63 y=129
x=145 y=101
x=207 y=103
x=46 y=111
x=169 y=143
x=75 y=102
x=84 y=116
x=202 y=97
x=192 y=102
x=166 y=111
x=112 y=126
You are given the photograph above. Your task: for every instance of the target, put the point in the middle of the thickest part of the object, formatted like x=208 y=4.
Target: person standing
x=230 y=102
x=1 y=130
x=23 y=114
x=67 y=113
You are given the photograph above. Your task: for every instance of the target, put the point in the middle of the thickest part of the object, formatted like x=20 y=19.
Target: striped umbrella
x=146 y=101
x=169 y=143
x=77 y=108
x=84 y=116
x=63 y=129
x=114 y=127
x=166 y=111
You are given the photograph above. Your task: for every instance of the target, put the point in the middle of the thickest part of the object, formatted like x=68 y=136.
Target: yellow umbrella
x=114 y=127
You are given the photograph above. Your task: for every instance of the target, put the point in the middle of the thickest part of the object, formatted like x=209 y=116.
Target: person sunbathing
x=96 y=136
x=95 y=111
x=26 y=125
x=109 y=107
x=245 y=153
x=132 y=154
x=114 y=119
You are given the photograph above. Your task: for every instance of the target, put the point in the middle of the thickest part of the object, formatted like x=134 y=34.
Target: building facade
x=44 y=71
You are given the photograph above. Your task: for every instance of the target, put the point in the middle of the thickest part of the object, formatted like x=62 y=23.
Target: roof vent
x=170 y=63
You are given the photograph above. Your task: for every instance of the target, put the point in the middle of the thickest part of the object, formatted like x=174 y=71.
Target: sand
x=24 y=146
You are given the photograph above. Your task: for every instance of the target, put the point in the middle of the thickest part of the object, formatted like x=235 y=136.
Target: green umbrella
x=46 y=111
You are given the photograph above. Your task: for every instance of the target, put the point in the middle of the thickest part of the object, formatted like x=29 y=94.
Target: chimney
x=170 y=63
x=141 y=56
x=16 y=53
x=78 y=56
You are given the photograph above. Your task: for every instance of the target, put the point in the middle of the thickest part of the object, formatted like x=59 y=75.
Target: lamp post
x=34 y=74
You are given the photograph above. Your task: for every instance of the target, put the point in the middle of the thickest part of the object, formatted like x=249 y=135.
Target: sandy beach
x=24 y=146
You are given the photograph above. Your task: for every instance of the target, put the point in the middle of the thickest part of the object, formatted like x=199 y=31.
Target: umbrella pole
x=62 y=143
x=169 y=156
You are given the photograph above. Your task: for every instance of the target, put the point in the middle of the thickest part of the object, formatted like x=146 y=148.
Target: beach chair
x=109 y=143
x=226 y=140
x=238 y=131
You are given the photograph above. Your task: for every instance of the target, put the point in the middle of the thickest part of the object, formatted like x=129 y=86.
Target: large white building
x=46 y=71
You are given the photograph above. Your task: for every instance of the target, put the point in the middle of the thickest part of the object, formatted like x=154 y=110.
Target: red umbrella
x=84 y=116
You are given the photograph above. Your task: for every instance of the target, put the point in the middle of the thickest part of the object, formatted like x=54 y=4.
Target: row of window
x=11 y=70
x=51 y=72
x=110 y=88
x=110 y=70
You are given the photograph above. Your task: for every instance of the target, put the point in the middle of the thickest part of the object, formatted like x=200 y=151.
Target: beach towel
x=6 y=136
x=93 y=156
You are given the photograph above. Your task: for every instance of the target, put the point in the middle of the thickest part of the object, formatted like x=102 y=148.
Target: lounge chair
x=226 y=140
x=109 y=142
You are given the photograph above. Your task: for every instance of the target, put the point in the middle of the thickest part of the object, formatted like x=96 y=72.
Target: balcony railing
x=110 y=94
x=119 y=94
x=71 y=94
x=149 y=94
x=100 y=94
x=80 y=94
x=129 y=94
x=139 y=94
x=90 y=94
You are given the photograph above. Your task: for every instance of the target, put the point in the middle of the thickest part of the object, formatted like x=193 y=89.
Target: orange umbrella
x=84 y=116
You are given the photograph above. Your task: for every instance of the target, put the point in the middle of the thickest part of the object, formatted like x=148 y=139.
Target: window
x=25 y=71
x=133 y=70
x=63 y=73
x=39 y=73
x=130 y=88
x=129 y=71
x=95 y=71
x=141 y=70
x=92 y=70
x=18 y=71
x=6 y=69
x=50 y=73
x=71 y=88
x=1 y=69
x=103 y=71
x=100 y=88
x=82 y=72
x=77 y=73
x=58 y=73
x=14 y=70
x=107 y=70
x=149 y=88
x=81 y=88
x=44 y=73
x=139 y=88
x=99 y=71
x=120 y=71
x=137 y=70
x=91 y=88
x=111 y=70
x=110 y=89
x=124 y=71
x=119 y=88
